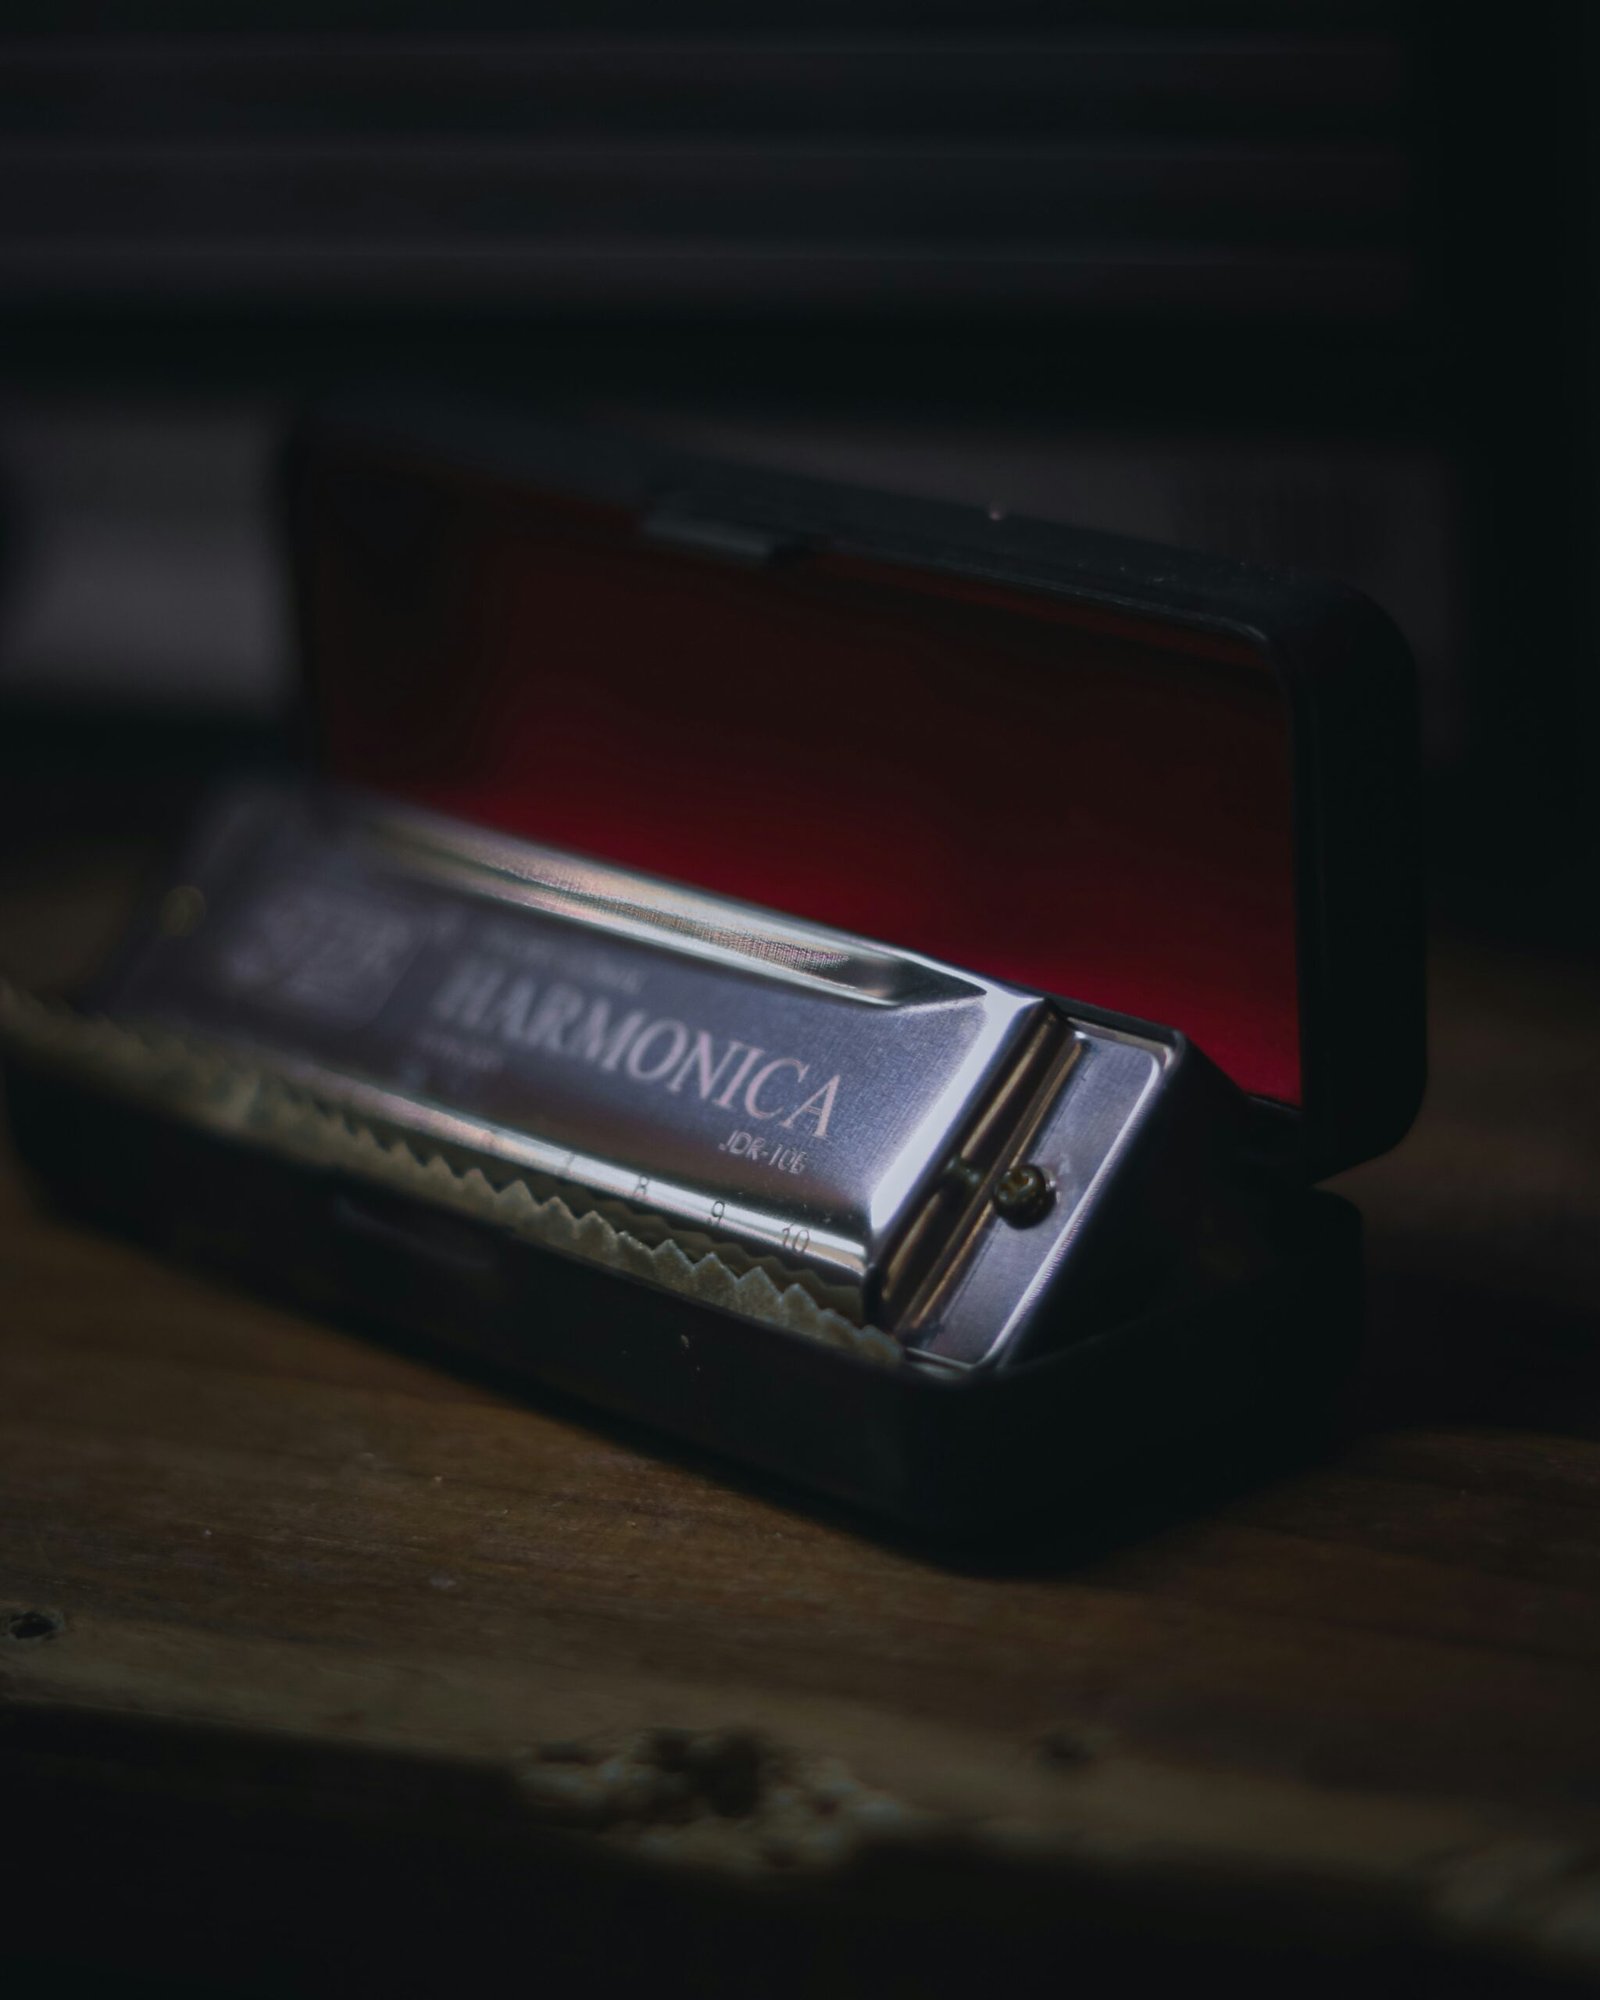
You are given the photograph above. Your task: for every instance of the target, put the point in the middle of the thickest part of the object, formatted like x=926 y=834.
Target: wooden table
x=325 y=1669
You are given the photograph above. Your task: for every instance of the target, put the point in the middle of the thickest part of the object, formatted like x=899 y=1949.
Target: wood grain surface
x=324 y=1666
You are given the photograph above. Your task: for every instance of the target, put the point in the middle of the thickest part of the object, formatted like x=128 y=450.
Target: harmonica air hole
x=454 y=1248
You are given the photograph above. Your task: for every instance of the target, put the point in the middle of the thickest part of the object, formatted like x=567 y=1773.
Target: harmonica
x=782 y=1122
x=955 y=1244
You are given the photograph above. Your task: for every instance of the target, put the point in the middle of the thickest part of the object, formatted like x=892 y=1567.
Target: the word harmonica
x=790 y=1121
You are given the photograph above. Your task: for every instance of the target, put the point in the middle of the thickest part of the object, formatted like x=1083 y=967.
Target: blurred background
x=1311 y=283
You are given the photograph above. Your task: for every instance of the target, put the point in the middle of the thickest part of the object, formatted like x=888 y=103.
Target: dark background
x=1309 y=283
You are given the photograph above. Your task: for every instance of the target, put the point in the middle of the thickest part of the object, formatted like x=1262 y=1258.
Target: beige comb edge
x=209 y=1087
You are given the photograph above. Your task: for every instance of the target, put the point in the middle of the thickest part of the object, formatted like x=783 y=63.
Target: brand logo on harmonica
x=491 y=999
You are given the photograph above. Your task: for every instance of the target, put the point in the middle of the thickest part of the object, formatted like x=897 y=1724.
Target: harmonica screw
x=1023 y=1195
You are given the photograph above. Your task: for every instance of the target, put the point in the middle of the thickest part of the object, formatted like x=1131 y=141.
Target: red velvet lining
x=1079 y=802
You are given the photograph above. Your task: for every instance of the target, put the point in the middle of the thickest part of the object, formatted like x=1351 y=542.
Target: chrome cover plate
x=739 y=1077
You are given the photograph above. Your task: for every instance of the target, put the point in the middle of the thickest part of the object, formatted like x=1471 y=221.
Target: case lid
x=1163 y=785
